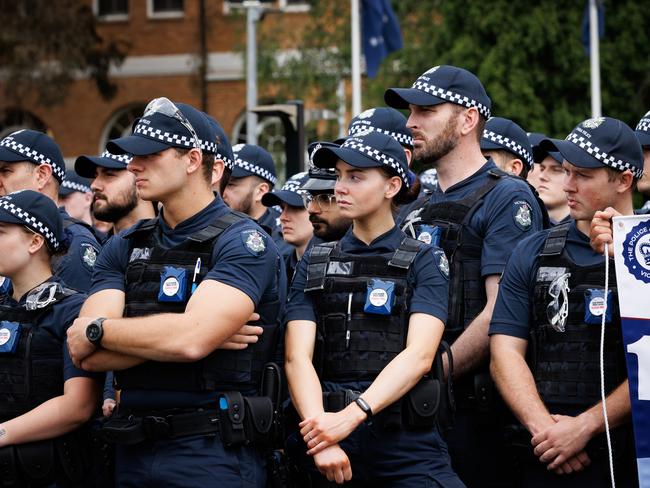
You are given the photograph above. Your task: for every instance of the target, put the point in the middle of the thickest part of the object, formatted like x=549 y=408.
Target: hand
x=561 y=441
x=600 y=231
x=78 y=344
x=575 y=464
x=334 y=464
x=327 y=429
x=108 y=406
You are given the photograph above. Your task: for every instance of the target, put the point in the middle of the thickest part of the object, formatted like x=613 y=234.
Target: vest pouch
x=73 y=452
x=379 y=297
x=258 y=421
x=232 y=413
x=420 y=405
x=123 y=430
x=36 y=460
x=173 y=282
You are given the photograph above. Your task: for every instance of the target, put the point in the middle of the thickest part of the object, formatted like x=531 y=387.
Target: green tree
x=45 y=45
x=528 y=55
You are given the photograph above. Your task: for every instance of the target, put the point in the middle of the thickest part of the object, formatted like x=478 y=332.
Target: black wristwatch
x=95 y=331
x=363 y=405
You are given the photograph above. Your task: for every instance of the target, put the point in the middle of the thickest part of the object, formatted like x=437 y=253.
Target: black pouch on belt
x=37 y=461
x=9 y=475
x=123 y=430
x=258 y=421
x=232 y=413
x=420 y=405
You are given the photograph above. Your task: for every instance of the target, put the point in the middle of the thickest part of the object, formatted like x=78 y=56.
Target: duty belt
x=132 y=429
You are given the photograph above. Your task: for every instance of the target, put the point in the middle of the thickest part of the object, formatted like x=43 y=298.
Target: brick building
x=163 y=59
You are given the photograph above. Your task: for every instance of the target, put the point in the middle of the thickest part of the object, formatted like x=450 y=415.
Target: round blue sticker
x=636 y=252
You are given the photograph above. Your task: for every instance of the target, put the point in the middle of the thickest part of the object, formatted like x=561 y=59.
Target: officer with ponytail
x=365 y=318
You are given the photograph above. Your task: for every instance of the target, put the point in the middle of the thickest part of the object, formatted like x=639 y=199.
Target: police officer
x=373 y=306
x=31 y=160
x=477 y=218
x=43 y=397
x=545 y=330
x=297 y=230
x=324 y=214
x=184 y=283
x=76 y=196
x=115 y=198
x=252 y=177
x=223 y=153
x=547 y=177
x=506 y=143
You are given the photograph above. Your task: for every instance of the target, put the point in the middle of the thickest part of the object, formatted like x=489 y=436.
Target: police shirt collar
x=489 y=165
x=196 y=222
x=379 y=244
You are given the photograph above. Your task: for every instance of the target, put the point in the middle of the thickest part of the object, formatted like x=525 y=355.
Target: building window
x=111 y=10
x=283 y=5
x=13 y=119
x=120 y=124
x=165 y=9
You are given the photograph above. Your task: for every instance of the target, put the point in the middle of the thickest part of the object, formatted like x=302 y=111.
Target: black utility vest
x=351 y=344
x=220 y=370
x=566 y=365
x=32 y=374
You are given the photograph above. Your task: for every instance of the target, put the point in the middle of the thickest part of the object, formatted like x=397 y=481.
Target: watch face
x=93 y=332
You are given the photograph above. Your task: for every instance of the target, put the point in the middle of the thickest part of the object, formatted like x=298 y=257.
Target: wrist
x=95 y=331
x=356 y=414
x=592 y=421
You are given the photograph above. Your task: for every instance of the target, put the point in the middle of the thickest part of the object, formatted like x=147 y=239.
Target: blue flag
x=381 y=34
x=585 y=24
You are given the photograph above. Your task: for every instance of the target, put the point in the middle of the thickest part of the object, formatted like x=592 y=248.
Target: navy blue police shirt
x=75 y=268
x=426 y=276
x=57 y=320
x=260 y=275
x=512 y=310
x=501 y=219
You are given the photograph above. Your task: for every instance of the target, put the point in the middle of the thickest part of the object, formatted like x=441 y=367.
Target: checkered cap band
x=602 y=156
x=377 y=156
x=643 y=125
x=294 y=185
x=401 y=138
x=451 y=97
x=173 y=139
x=226 y=161
x=122 y=158
x=75 y=186
x=32 y=155
x=253 y=168
x=31 y=222
x=508 y=143
x=429 y=178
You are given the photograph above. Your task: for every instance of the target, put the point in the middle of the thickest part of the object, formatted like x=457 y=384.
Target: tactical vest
x=354 y=345
x=220 y=370
x=463 y=247
x=33 y=373
x=566 y=365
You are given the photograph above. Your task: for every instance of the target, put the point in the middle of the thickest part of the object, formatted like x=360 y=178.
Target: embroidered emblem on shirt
x=442 y=262
x=89 y=255
x=523 y=215
x=254 y=241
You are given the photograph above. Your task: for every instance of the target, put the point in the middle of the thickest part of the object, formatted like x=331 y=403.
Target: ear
x=36 y=243
x=409 y=156
x=43 y=175
x=217 y=172
x=261 y=189
x=516 y=166
x=393 y=186
x=625 y=181
x=195 y=160
x=469 y=120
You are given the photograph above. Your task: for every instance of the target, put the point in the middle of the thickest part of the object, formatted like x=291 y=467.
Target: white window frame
x=179 y=14
x=231 y=6
x=110 y=17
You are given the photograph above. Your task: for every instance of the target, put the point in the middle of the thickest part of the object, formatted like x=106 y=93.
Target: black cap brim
x=327 y=157
x=85 y=165
x=401 y=98
x=136 y=145
x=644 y=138
x=282 y=196
x=571 y=153
x=487 y=145
x=539 y=155
x=7 y=217
x=11 y=157
x=319 y=184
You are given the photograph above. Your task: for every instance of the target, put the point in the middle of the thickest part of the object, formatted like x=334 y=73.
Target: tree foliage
x=45 y=45
x=529 y=55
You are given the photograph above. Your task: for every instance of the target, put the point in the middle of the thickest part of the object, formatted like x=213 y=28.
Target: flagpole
x=356 y=57
x=594 y=58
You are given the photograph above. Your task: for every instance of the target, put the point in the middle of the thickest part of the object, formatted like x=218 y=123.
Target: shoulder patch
x=89 y=254
x=442 y=262
x=522 y=214
x=254 y=241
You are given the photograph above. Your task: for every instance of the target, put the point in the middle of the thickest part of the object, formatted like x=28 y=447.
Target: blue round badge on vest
x=254 y=242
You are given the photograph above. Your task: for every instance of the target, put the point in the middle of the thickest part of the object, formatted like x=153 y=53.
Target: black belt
x=131 y=429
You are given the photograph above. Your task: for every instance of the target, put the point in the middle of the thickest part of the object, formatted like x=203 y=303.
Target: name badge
x=173 y=282
x=429 y=235
x=595 y=306
x=379 y=297
x=9 y=336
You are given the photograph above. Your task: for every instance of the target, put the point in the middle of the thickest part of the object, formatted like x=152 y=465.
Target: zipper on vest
x=347 y=322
